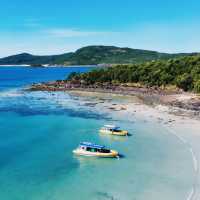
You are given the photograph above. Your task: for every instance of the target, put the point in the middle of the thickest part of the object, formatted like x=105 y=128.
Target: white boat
x=90 y=149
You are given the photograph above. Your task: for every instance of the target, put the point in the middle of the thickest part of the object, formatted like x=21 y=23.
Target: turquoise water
x=39 y=130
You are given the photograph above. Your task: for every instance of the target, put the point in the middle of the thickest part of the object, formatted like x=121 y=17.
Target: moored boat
x=113 y=130
x=90 y=149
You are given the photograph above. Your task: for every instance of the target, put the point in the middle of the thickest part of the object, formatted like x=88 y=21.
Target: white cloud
x=159 y=37
x=65 y=33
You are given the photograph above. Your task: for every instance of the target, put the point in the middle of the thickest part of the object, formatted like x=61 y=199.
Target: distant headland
x=90 y=55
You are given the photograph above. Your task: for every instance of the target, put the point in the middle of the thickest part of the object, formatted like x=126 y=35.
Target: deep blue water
x=13 y=77
x=39 y=130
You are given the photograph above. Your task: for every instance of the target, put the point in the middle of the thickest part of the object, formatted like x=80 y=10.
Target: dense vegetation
x=183 y=72
x=26 y=58
x=90 y=55
x=93 y=55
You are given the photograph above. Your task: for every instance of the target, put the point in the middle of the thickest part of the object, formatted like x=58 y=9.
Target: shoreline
x=182 y=102
x=184 y=128
x=174 y=111
x=126 y=108
x=50 y=66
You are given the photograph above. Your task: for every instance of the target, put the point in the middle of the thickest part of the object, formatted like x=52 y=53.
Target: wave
x=11 y=93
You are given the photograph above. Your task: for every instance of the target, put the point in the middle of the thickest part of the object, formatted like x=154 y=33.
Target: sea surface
x=39 y=130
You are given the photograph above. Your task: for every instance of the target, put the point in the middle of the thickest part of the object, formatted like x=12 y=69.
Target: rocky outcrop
x=151 y=95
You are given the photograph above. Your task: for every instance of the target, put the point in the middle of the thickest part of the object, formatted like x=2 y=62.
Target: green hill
x=90 y=55
x=183 y=72
x=26 y=58
x=113 y=55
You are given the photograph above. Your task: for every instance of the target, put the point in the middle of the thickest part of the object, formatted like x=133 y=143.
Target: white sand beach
x=185 y=128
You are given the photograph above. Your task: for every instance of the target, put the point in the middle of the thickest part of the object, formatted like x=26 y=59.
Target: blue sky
x=53 y=27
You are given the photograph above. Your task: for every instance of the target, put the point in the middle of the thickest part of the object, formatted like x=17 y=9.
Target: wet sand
x=180 y=124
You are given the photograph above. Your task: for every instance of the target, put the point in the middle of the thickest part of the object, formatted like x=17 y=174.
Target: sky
x=44 y=27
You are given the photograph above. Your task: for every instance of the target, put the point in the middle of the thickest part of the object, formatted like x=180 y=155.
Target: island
x=174 y=82
x=91 y=55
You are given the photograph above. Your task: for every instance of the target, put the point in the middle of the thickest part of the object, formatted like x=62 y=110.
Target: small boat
x=90 y=149
x=113 y=130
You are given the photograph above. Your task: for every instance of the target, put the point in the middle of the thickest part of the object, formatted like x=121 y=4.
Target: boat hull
x=112 y=154
x=118 y=133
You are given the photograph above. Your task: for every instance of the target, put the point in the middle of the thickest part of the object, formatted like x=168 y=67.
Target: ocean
x=39 y=130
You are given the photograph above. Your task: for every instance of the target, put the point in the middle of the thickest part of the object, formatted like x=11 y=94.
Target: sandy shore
x=179 y=124
x=180 y=101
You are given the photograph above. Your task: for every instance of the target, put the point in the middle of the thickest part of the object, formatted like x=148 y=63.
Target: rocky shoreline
x=150 y=95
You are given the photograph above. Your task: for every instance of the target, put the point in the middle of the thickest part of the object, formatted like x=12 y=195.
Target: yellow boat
x=90 y=149
x=113 y=130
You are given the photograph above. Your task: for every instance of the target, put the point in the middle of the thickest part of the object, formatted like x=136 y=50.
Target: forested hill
x=25 y=58
x=90 y=55
x=183 y=72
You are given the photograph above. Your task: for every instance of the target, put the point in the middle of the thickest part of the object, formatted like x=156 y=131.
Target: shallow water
x=39 y=130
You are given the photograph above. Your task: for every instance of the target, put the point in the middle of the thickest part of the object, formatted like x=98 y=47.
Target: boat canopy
x=91 y=145
x=113 y=127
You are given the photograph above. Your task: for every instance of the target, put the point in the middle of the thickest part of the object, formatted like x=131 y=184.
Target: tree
x=185 y=81
x=197 y=86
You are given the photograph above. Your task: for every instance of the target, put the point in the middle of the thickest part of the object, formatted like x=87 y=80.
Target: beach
x=180 y=125
x=187 y=103
x=40 y=129
x=100 y=100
